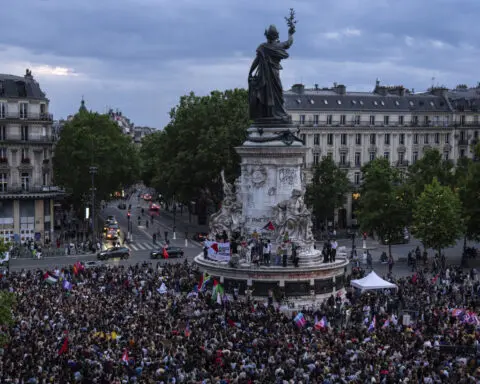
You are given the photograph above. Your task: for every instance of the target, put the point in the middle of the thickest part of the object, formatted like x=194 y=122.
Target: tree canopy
x=92 y=139
x=186 y=158
x=437 y=218
x=327 y=190
x=383 y=206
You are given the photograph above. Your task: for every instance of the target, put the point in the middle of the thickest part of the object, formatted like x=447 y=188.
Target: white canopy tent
x=372 y=281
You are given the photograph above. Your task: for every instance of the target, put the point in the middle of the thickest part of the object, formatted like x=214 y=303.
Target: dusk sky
x=140 y=56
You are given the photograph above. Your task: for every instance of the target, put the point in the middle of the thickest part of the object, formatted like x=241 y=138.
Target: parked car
x=173 y=252
x=121 y=252
x=200 y=236
x=92 y=264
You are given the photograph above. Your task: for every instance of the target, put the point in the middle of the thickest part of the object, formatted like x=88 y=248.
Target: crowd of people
x=155 y=324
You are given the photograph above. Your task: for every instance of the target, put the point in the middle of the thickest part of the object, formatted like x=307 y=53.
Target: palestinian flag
x=50 y=278
x=217 y=293
x=269 y=226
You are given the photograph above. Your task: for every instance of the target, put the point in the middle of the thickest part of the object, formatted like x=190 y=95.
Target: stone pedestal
x=272 y=161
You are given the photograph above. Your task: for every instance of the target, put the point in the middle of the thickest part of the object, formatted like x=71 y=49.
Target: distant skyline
x=141 y=56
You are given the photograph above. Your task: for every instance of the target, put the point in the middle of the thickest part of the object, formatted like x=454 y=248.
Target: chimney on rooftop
x=298 y=88
x=340 y=89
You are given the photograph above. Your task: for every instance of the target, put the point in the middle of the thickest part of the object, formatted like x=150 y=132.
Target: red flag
x=64 y=348
x=165 y=253
x=269 y=226
x=214 y=246
x=434 y=280
x=125 y=356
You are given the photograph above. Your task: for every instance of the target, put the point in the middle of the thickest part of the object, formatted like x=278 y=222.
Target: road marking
x=142 y=246
x=132 y=247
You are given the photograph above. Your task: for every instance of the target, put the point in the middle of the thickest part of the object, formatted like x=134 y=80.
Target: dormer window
x=325 y=102
x=361 y=102
x=411 y=103
x=375 y=102
x=432 y=103
x=354 y=102
x=339 y=102
x=312 y=101
x=382 y=102
x=397 y=103
x=299 y=101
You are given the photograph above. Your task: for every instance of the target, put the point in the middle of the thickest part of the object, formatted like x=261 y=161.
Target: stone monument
x=270 y=191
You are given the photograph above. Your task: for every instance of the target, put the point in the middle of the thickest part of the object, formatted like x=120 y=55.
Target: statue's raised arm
x=265 y=87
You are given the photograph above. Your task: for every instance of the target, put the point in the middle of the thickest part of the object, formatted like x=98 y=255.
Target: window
x=401 y=157
x=373 y=137
x=462 y=120
x=415 y=138
x=372 y=119
x=386 y=155
x=330 y=155
x=24 y=153
x=330 y=139
x=475 y=119
x=316 y=139
x=3 y=154
x=386 y=120
x=401 y=139
x=339 y=102
x=43 y=109
x=302 y=119
x=411 y=103
x=3 y=110
x=372 y=156
x=24 y=132
x=303 y=136
x=426 y=120
x=343 y=158
x=437 y=138
x=3 y=182
x=387 y=139
x=475 y=135
x=315 y=119
x=356 y=178
x=3 y=132
x=401 y=120
x=343 y=139
x=462 y=153
x=45 y=179
x=25 y=181
x=462 y=135
x=414 y=157
x=329 y=119
x=357 y=119
x=446 y=155
x=343 y=119
x=23 y=110
x=425 y=138
x=358 y=139
x=316 y=159
x=325 y=102
x=447 y=138
x=414 y=120
x=358 y=158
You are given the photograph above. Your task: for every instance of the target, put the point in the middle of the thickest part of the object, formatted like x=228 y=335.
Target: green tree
x=186 y=158
x=430 y=166
x=328 y=189
x=467 y=185
x=92 y=139
x=7 y=301
x=383 y=205
x=437 y=218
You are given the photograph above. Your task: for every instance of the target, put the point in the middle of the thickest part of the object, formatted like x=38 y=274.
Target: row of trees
x=92 y=139
x=439 y=203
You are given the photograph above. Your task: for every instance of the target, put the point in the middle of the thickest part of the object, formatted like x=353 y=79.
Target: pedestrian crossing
x=141 y=246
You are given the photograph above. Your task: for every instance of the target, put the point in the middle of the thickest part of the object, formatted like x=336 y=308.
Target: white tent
x=372 y=281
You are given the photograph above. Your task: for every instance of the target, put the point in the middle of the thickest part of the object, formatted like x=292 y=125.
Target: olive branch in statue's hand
x=291 y=22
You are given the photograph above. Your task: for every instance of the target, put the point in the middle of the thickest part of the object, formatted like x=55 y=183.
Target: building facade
x=354 y=128
x=27 y=192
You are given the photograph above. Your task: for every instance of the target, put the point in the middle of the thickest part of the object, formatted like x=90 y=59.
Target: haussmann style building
x=27 y=192
x=354 y=128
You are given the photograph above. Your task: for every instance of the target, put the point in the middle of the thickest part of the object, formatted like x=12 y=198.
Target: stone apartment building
x=353 y=128
x=26 y=143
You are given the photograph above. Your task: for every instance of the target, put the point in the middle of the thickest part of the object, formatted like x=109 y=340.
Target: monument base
x=305 y=284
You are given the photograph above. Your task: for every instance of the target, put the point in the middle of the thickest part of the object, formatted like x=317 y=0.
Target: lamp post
x=174 y=219
x=93 y=170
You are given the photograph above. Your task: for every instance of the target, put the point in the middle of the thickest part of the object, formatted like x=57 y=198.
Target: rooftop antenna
x=433 y=81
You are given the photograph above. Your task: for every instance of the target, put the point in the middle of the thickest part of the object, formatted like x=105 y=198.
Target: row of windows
x=25 y=181
x=372 y=138
x=24 y=133
x=415 y=120
x=23 y=109
x=24 y=153
x=375 y=102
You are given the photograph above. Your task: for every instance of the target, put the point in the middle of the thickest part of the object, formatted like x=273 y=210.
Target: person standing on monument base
x=334 y=250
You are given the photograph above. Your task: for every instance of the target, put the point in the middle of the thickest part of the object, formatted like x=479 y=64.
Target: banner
x=218 y=251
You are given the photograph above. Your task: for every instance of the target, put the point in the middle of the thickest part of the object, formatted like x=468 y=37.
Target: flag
x=217 y=292
x=64 y=348
x=269 y=226
x=50 y=279
x=202 y=285
x=165 y=253
x=394 y=319
x=320 y=324
x=163 y=289
x=125 y=356
x=434 y=280
x=300 y=320
x=233 y=324
x=67 y=285
x=372 y=325
x=75 y=269
x=386 y=323
x=187 y=329
x=457 y=312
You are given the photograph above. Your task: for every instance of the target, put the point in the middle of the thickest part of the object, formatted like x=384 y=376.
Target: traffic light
x=128 y=215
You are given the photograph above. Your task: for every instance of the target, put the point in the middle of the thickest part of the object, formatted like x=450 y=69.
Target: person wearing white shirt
x=334 y=250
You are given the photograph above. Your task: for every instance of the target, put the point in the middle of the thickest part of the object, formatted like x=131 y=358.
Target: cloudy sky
x=140 y=56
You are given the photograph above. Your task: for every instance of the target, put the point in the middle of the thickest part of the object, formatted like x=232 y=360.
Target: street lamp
x=174 y=219
x=93 y=172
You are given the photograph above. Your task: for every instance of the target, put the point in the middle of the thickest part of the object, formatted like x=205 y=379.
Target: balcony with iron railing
x=344 y=164
x=402 y=163
x=463 y=142
x=29 y=116
x=28 y=139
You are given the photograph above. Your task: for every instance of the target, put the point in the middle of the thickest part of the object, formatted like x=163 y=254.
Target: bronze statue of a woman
x=264 y=84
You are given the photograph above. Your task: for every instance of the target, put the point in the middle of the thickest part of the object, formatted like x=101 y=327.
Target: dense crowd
x=116 y=325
